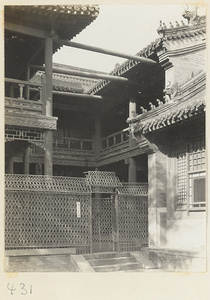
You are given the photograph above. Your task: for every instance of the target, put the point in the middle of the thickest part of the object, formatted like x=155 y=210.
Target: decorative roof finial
x=171 y=25
x=177 y=24
x=161 y=29
x=164 y=26
x=191 y=16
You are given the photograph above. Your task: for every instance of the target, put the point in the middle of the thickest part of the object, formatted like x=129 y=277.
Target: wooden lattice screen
x=47 y=212
x=41 y=212
x=132 y=217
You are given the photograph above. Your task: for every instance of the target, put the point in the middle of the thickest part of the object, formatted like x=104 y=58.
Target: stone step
x=103 y=255
x=119 y=267
x=111 y=261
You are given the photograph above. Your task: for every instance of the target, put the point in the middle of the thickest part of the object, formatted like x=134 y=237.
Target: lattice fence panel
x=137 y=189
x=133 y=222
x=41 y=220
x=38 y=183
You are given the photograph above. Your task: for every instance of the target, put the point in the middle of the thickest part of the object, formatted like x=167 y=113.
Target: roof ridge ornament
x=161 y=29
x=192 y=16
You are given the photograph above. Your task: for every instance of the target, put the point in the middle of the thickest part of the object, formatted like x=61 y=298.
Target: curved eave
x=176 y=114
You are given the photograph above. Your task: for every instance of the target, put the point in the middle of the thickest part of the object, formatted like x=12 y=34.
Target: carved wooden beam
x=25 y=30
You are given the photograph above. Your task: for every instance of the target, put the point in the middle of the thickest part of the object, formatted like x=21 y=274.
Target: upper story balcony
x=114 y=142
x=23 y=97
x=25 y=105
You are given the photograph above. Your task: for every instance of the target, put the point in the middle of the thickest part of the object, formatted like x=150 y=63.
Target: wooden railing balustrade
x=115 y=139
x=23 y=97
x=74 y=143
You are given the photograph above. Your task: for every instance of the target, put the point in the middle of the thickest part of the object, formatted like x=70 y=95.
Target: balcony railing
x=115 y=139
x=23 y=97
x=74 y=143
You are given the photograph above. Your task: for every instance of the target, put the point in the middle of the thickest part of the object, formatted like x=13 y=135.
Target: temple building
x=104 y=163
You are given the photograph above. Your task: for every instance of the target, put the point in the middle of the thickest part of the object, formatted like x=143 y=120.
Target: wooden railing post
x=21 y=90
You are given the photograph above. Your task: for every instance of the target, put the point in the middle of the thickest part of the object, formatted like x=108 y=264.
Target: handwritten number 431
x=22 y=289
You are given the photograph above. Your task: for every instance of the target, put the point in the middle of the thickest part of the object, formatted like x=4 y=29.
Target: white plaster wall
x=187 y=232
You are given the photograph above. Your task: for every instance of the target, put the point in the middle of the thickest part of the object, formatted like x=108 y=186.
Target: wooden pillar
x=27 y=87
x=132 y=161
x=38 y=169
x=132 y=170
x=48 y=154
x=26 y=160
x=97 y=140
x=132 y=107
x=10 y=162
x=48 y=135
x=48 y=74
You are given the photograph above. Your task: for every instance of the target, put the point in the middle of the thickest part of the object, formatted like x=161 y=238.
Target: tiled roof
x=189 y=102
x=176 y=32
x=66 y=20
x=60 y=10
x=66 y=83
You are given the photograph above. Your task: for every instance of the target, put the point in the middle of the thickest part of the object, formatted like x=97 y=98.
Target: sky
x=123 y=28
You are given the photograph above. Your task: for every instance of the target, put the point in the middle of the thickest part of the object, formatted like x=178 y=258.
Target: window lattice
x=23 y=134
x=189 y=159
x=182 y=177
x=196 y=157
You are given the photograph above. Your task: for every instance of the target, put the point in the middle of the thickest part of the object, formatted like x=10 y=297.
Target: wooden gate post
x=91 y=223
x=116 y=222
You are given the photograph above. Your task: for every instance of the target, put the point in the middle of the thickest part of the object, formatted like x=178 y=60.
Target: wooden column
x=132 y=107
x=27 y=87
x=38 y=169
x=48 y=154
x=26 y=161
x=132 y=170
x=48 y=74
x=97 y=140
x=48 y=135
x=10 y=162
x=132 y=161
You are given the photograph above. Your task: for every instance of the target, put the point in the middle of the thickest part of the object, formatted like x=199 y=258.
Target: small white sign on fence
x=78 y=210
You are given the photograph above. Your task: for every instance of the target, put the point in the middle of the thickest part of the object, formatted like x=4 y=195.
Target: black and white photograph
x=105 y=157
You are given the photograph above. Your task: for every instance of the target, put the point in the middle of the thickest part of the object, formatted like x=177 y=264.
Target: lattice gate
x=102 y=224
x=96 y=213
